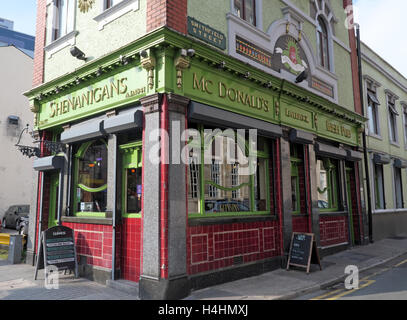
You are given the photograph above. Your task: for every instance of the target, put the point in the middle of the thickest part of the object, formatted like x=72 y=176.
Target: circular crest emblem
x=85 y=5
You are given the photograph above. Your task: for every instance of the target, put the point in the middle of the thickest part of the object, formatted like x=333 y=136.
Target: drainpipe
x=114 y=212
x=368 y=189
x=40 y=217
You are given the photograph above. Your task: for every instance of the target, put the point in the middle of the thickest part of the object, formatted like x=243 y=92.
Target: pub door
x=131 y=210
x=53 y=200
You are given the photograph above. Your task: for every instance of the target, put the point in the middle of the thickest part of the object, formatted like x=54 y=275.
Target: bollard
x=15 y=249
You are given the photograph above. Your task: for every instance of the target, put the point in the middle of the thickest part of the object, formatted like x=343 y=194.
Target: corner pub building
x=108 y=110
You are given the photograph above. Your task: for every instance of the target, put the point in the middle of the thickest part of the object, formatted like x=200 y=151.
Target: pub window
x=63 y=18
x=398 y=188
x=373 y=112
x=111 y=3
x=224 y=184
x=246 y=9
x=323 y=43
x=132 y=179
x=379 y=186
x=393 y=114
x=91 y=178
x=297 y=171
x=327 y=181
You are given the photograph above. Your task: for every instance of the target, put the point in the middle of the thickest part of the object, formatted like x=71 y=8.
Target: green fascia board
x=164 y=38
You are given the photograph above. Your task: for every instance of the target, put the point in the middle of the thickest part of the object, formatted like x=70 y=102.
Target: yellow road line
x=326 y=294
x=401 y=263
x=369 y=282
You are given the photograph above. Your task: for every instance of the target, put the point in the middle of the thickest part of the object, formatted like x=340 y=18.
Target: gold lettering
x=97 y=98
x=53 y=111
x=123 y=85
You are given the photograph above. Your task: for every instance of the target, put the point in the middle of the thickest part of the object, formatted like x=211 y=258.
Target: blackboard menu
x=303 y=251
x=57 y=249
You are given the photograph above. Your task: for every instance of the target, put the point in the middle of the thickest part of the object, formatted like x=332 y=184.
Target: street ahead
x=387 y=282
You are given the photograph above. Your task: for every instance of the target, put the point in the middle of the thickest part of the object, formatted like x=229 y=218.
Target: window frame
x=265 y=154
x=392 y=120
x=137 y=148
x=374 y=107
x=323 y=38
x=243 y=9
x=396 y=197
x=332 y=186
x=81 y=151
x=295 y=163
x=57 y=33
x=379 y=197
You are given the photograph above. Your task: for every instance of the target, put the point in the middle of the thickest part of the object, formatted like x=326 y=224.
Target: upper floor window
x=373 y=112
x=63 y=18
x=405 y=124
x=246 y=9
x=323 y=44
x=398 y=189
x=111 y=3
x=392 y=119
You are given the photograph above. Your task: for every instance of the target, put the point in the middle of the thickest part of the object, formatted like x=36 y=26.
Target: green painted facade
x=93 y=42
x=387 y=78
x=282 y=103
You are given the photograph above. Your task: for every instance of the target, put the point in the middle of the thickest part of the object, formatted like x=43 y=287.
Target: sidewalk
x=17 y=281
x=284 y=285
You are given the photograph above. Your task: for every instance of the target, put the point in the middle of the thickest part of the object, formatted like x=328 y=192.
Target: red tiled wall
x=217 y=246
x=38 y=77
x=95 y=243
x=170 y=13
x=333 y=230
x=300 y=224
x=214 y=247
x=131 y=249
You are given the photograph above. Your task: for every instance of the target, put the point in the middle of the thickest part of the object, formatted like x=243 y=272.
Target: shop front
x=178 y=172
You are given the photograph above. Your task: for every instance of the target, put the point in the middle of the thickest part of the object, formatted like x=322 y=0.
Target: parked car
x=13 y=215
x=22 y=226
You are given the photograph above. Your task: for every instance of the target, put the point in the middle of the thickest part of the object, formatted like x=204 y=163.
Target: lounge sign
x=101 y=95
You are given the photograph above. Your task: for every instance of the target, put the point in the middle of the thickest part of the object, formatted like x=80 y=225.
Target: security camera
x=303 y=76
x=78 y=54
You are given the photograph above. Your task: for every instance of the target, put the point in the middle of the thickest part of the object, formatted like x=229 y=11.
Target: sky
x=22 y=12
x=382 y=28
x=382 y=25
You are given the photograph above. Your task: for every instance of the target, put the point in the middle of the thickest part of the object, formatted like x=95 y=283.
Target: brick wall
x=170 y=13
x=38 y=77
x=354 y=63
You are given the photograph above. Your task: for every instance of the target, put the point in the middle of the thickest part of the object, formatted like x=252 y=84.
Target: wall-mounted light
x=247 y=75
x=268 y=85
x=77 y=80
x=191 y=52
x=57 y=89
x=124 y=60
x=221 y=65
x=78 y=54
x=99 y=72
x=144 y=53
x=303 y=76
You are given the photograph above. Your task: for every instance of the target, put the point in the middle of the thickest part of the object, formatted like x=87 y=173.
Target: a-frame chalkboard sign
x=303 y=251
x=57 y=248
